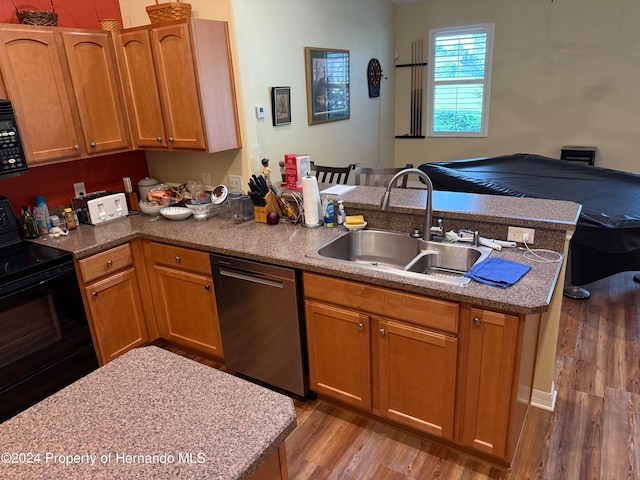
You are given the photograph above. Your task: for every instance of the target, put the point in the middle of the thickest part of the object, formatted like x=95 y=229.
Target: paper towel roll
x=311 y=200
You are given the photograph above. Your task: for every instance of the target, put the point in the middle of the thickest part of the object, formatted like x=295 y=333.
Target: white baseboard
x=544 y=400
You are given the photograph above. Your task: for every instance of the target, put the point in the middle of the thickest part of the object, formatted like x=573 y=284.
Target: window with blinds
x=459 y=78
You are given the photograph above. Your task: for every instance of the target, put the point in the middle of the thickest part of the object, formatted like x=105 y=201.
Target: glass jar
x=29 y=226
x=69 y=218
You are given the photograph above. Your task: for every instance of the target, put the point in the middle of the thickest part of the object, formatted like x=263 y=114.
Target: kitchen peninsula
x=150 y=414
x=468 y=360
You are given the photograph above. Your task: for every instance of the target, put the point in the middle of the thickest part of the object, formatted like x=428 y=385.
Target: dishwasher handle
x=250 y=278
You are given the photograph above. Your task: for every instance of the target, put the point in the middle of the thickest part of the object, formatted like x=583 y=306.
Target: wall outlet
x=235 y=183
x=79 y=189
x=516 y=234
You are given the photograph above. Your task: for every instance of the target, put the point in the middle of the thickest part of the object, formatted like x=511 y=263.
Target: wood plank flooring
x=593 y=433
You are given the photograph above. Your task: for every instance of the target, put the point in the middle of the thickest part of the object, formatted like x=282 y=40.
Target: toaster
x=100 y=207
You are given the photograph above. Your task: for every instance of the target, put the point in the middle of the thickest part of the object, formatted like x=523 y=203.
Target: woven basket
x=164 y=12
x=37 y=17
x=109 y=24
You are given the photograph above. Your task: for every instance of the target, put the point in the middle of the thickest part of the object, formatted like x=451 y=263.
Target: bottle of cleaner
x=341 y=214
x=329 y=212
x=41 y=214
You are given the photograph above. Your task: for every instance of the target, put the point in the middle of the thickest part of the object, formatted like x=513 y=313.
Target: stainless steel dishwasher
x=260 y=322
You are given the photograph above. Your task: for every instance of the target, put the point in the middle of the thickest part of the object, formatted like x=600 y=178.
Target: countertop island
x=149 y=414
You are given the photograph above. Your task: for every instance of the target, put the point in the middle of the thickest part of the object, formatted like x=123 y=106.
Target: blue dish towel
x=498 y=271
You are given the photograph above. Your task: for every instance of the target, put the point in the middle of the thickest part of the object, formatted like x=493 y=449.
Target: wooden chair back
x=379 y=177
x=327 y=174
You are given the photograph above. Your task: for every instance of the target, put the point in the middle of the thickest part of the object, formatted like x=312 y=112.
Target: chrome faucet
x=384 y=203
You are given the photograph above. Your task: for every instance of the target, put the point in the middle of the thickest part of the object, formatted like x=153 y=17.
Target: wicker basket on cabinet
x=164 y=12
x=37 y=17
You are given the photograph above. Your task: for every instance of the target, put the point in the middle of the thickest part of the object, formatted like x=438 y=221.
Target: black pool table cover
x=607 y=236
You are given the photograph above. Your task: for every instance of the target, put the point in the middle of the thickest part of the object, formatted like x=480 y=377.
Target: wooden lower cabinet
x=495 y=390
x=453 y=371
x=111 y=292
x=339 y=353
x=183 y=296
x=416 y=375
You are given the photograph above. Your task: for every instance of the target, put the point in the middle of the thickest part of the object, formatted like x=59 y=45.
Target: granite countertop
x=286 y=244
x=149 y=414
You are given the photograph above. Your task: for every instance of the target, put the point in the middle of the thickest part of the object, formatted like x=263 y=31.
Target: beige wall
x=268 y=39
x=564 y=73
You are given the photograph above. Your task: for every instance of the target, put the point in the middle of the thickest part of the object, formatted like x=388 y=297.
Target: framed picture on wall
x=327 y=84
x=281 y=105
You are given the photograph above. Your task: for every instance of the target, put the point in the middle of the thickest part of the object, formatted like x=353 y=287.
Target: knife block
x=260 y=214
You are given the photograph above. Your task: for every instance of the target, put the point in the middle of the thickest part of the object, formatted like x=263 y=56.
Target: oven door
x=45 y=342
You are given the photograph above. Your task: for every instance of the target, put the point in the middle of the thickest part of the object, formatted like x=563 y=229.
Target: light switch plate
x=79 y=189
x=235 y=183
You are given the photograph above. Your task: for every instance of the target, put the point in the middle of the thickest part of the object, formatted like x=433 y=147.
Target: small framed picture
x=281 y=105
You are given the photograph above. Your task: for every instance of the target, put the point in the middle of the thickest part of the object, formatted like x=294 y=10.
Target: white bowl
x=359 y=226
x=176 y=213
x=150 y=208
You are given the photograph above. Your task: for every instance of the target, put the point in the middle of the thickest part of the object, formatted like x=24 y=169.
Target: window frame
x=434 y=33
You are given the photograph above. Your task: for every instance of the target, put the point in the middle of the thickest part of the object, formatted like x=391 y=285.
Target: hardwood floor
x=593 y=433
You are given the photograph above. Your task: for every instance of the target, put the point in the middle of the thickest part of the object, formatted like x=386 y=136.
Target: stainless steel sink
x=406 y=256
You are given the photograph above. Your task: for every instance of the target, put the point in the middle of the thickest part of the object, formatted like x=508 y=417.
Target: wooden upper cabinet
x=193 y=75
x=96 y=89
x=140 y=88
x=32 y=69
x=178 y=86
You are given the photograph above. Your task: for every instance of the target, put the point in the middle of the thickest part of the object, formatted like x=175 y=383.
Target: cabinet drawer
x=426 y=311
x=179 y=257
x=105 y=263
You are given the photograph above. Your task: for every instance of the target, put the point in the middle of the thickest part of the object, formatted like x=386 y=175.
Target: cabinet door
x=116 y=314
x=96 y=88
x=141 y=89
x=417 y=369
x=32 y=69
x=492 y=339
x=186 y=309
x=176 y=74
x=339 y=353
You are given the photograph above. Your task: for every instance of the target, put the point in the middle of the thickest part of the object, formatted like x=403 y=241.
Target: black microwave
x=12 y=158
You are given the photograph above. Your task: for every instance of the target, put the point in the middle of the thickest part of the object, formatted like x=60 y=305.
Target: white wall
x=268 y=39
x=565 y=72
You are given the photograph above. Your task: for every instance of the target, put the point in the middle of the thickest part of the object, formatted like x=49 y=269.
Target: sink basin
x=404 y=255
x=373 y=247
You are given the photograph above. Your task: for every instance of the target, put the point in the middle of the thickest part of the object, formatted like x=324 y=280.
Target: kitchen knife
x=263 y=185
x=257 y=199
x=258 y=184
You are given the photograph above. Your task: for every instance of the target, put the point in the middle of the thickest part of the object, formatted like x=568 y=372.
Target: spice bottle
x=29 y=227
x=69 y=218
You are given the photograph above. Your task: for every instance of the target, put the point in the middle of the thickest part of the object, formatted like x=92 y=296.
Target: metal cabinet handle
x=207 y=287
x=159 y=139
x=170 y=139
x=76 y=147
x=360 y=326
x=93 y=144
x=382 y=332
x=476 y=321
x=178 y=259
x=95 y=294
x=109 y=263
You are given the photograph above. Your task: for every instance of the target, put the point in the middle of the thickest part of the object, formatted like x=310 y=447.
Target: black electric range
x=45 y=341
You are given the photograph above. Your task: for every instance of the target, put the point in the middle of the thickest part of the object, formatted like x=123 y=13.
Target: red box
x=296 y=166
